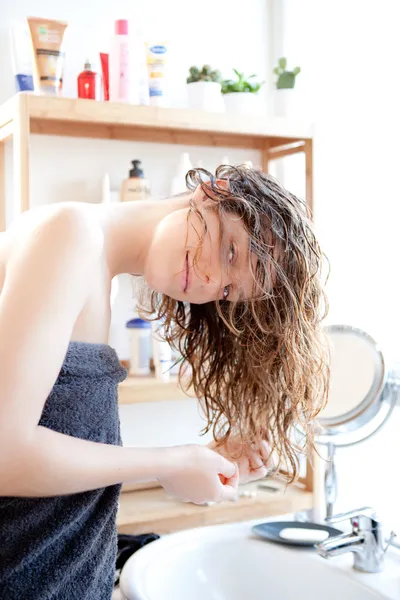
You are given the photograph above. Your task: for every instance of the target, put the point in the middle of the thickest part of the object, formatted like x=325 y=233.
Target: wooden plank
x=21 y=155
x=265 y=156
x=44 y=108
x=7 y=111
x=143 y=134
x=149 y=389
x=281 y=152
x=308 y=150
x=2 y=186
x=154 y=511
x=6 y=131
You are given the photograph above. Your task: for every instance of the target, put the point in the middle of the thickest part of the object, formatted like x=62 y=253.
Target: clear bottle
x=119 y=63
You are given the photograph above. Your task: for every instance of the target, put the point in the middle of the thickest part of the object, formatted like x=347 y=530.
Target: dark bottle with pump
x=136 y=187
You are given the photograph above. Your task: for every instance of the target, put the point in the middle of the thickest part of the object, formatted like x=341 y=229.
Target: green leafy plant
x=241 y=84
x=204 y=74
x=286 y=79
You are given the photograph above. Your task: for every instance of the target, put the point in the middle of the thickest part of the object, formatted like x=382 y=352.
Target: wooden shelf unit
x=28 y=113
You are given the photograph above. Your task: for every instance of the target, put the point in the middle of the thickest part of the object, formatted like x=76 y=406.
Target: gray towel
x=64 y=548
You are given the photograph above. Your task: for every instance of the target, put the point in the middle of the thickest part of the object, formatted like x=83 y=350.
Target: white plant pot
x=242 y=103
x=205 y=95
x=285 y=104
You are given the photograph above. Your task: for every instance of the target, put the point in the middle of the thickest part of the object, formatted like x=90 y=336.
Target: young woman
x=234 y=268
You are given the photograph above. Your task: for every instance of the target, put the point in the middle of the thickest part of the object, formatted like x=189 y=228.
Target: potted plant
x=241 y=94
x=204 y=89
x=284 y=93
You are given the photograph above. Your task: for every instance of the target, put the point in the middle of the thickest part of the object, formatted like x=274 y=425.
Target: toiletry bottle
x=178 y=184
x=139 y=80
x=136 y=187
x=22 y=57
x=105 y=189
x=89 y=83
x=47 y=38
x=162 y=353
x=119 y=63
x=156 y=64
x=105 y=78
x=141 y=346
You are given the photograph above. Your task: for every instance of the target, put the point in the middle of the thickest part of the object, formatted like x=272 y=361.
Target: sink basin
x=228 y=562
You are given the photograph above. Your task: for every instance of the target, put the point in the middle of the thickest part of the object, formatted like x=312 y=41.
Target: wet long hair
x=259 y=366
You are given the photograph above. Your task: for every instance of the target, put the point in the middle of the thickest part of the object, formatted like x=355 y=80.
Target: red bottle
x=89 y=83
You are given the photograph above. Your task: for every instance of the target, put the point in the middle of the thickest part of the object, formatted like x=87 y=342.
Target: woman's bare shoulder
x=58 y=215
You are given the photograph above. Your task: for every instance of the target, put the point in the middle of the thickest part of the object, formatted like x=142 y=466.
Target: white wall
x=347 y=50
x=221 y=33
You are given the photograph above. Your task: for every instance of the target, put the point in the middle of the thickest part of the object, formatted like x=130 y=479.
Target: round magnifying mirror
x=361 y=396
x=356 y=393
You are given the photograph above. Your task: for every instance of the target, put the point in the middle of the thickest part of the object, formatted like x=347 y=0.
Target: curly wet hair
x=260 y=366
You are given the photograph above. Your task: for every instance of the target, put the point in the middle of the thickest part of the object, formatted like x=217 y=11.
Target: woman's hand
x=253 y=460
x=198 y=474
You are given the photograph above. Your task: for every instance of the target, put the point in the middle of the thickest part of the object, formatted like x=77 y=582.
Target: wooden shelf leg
x=21 y=156
x=308 y=150
x=265 y=158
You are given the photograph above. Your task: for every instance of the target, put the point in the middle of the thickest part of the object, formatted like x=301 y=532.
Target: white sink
x=227 y=562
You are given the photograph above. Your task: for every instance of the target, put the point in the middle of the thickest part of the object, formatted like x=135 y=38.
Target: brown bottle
x=136 y=187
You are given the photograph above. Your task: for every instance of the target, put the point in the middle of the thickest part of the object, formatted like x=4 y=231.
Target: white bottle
x=141 y=342
x=162 y=354
x=139 y=79
x=105 y=189
x=178 y=184
x=119 y=67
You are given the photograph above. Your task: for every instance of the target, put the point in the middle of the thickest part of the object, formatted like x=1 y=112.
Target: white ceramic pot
x=242 y=103
x=205 y=95
x=285 y=104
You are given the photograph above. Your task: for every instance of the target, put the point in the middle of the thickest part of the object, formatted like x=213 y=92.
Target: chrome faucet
x=366 y=540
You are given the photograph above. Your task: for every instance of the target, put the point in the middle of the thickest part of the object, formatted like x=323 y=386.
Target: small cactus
x=286 y=79
x=204 y=74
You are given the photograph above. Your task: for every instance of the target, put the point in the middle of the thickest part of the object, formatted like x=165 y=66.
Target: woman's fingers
x=226 y=468
x=228 y=492
x=263 y=449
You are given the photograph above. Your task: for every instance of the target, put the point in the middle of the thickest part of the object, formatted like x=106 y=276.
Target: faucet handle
x=365 y=511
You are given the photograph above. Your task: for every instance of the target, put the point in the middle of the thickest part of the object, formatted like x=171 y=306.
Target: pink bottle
x=119 y=63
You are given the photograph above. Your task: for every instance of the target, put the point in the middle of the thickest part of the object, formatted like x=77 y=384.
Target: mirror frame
x=330 y=429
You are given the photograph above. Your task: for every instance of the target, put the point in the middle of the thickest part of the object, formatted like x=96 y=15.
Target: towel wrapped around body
x=64 y=547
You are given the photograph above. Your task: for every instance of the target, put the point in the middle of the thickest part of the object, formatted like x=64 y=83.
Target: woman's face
x=218 y=268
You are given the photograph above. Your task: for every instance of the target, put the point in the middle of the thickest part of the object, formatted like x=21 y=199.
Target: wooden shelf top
x=153 y=510
x=149 y=389
x=89 y=118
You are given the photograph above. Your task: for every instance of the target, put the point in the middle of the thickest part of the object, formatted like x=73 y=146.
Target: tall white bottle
x=178 y=184
x=119 y=63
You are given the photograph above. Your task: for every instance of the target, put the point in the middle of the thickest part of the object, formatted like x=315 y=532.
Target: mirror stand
x=330 y=480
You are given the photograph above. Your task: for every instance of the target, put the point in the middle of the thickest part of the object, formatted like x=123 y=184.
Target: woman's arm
x=48 y=279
